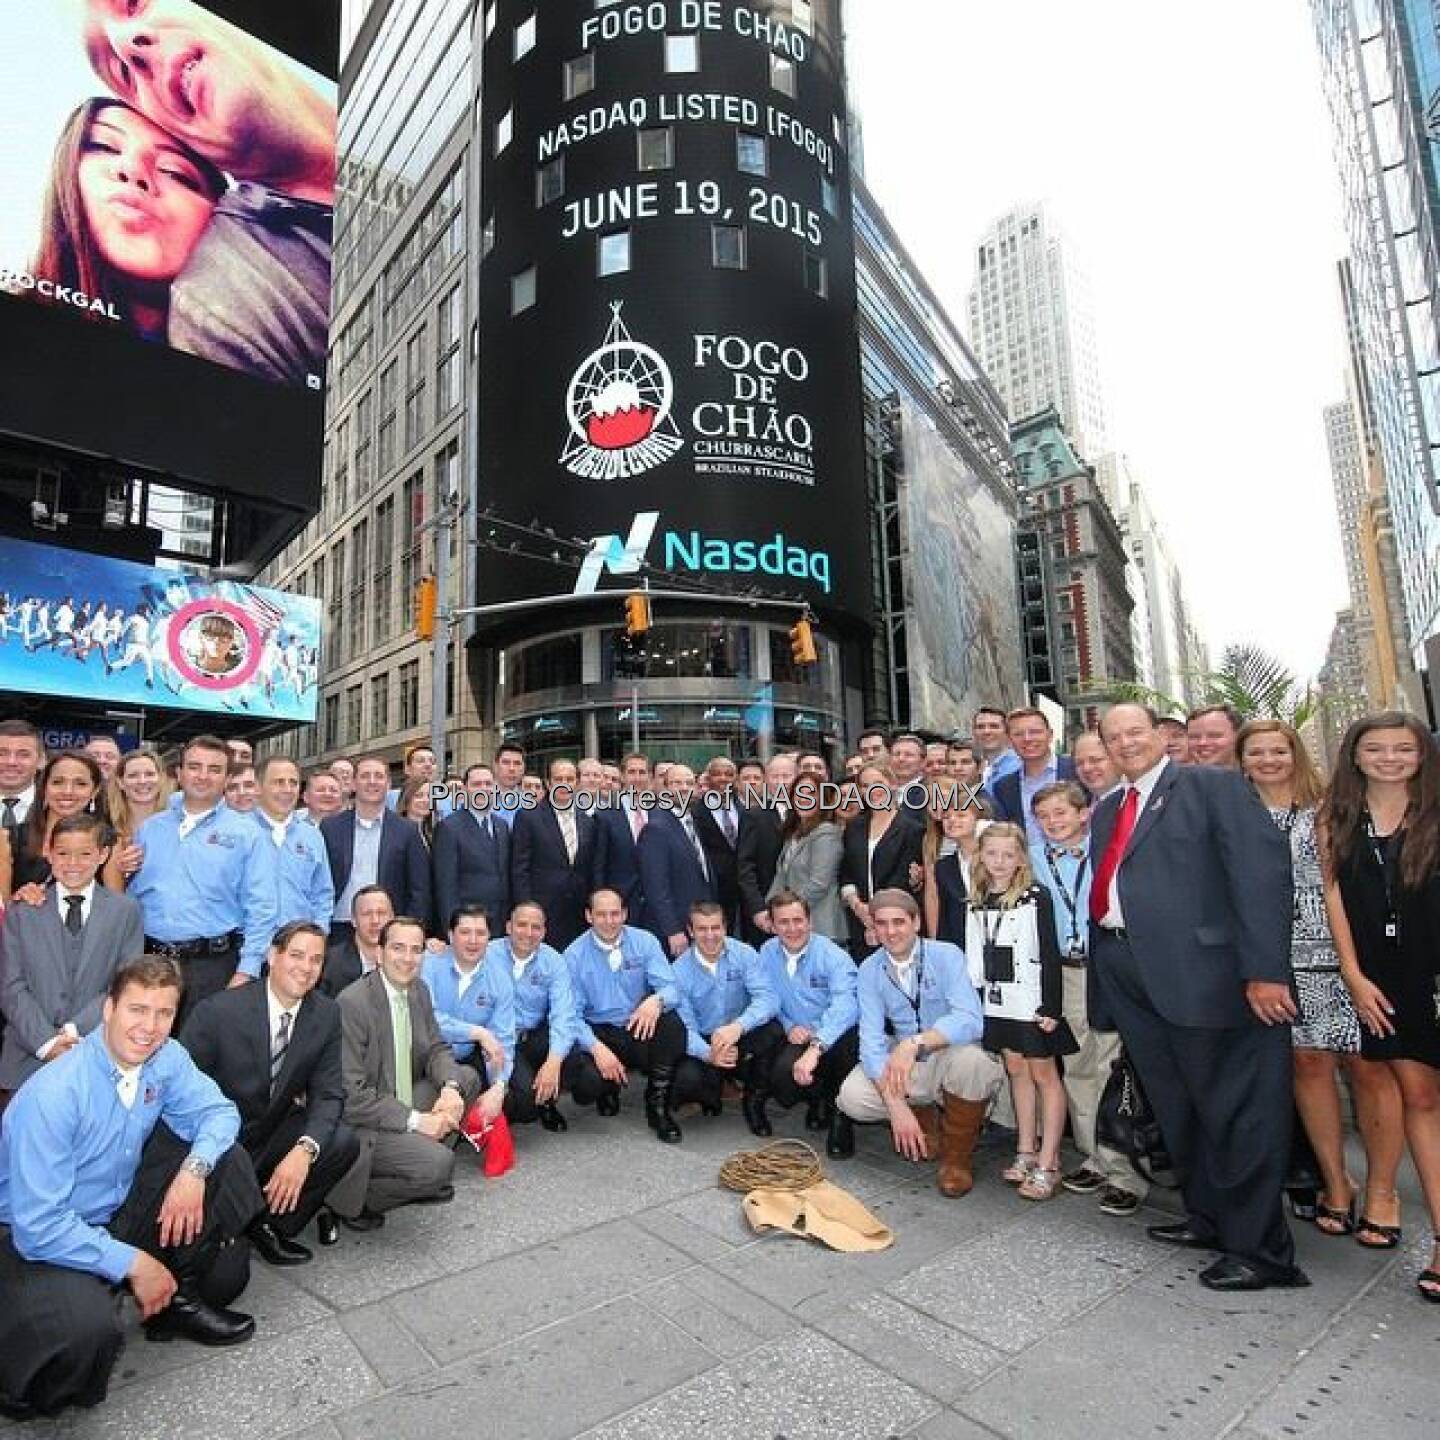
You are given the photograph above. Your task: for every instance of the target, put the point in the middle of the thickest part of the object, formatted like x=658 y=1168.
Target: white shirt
x=1115 y=916
x=87 y=897
x=904 y=971
x=614 y=954
x=792 y=961
x=466 y=977
x=189 y=820
x=518 y=963
x=709 y=965
x=127 y=1087
x=277 y=827
x=23 y=801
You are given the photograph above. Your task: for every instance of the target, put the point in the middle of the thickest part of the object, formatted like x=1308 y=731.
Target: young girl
x=1015 y=964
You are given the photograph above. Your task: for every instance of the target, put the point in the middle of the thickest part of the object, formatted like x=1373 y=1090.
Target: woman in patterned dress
x=1327 y=1032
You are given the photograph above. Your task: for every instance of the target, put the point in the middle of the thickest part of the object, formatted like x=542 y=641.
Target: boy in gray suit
x=56 y=958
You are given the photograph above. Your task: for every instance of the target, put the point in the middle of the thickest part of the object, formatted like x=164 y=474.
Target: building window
x=389 y=406
x=379 y=705
x=522 y=291
x=332 y=722
x=356 y=611
x=656 y=148
x=682 y=54
x=412 y=517
x=752 y=153
x=782 y=75
x=524 y=38
x=355 y=713
x=451 y=325
x=579 y=76
x=829 y=197
x=550 y=182
x=364 y=454
x=613 y=253
x=410 y=695
x=381 y=563
x=504 y=131
x=415 y=389
x=817 y=275
x=727 y=247
x=487 y=237
x=545 y=665
x=489 y=20
x=335 y=596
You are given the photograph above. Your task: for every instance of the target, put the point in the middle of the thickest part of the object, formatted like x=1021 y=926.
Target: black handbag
x=1126 y=1123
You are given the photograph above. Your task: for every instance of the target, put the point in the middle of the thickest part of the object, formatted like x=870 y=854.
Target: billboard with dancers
x=89 y=627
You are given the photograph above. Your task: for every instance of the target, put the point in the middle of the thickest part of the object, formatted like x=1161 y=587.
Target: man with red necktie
x=1190 y=914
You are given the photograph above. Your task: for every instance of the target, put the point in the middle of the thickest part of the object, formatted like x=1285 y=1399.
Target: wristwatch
x=310 y=1147
x=195 y=1165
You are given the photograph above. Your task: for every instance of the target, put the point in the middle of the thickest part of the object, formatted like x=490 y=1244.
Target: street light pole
x=441 y=527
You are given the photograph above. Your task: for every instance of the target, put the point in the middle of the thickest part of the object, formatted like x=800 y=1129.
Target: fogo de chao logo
x=618 y=406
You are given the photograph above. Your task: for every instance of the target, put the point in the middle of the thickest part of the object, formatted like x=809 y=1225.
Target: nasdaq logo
x=609 y=552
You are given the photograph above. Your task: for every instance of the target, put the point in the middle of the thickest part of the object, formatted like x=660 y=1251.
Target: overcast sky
x=1186 y=149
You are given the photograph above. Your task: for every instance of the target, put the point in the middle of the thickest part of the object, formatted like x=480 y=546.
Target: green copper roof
x=1043 y=451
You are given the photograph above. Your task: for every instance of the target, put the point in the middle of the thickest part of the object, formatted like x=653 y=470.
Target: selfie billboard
x=86 y=627
x=166 y=230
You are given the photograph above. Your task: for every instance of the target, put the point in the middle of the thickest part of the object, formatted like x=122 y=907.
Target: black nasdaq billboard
x=166 y=225
x=669 y=360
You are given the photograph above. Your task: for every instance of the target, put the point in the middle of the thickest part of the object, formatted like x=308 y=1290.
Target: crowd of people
x=358 y=974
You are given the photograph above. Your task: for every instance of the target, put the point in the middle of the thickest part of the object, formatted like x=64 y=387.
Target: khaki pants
x=964 y=1071
x=1086 y=1074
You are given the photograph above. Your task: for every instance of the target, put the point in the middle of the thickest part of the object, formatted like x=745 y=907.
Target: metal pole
x=635 y=719
x=440 y=651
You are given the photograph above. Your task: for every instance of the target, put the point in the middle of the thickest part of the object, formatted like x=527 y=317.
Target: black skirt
x=1025 y=1037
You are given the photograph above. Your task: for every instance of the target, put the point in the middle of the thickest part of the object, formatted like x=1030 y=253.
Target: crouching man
x=921 y=1066
x=88 y=1207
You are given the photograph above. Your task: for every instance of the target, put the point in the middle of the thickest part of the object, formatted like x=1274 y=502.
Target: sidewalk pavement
x=607 y=1288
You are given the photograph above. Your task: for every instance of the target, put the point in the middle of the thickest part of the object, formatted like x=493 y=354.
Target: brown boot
x=960 y=1125
x=929 y=1118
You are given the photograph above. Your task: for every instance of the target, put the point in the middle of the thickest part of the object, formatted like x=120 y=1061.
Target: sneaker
x=1115 y=1201
x=1084 y=1181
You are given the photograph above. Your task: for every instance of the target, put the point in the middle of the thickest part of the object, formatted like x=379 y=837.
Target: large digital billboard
x=667 y=298
x=87 y=627
x=166 y=225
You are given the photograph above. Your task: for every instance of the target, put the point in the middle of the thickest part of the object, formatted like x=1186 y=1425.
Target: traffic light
x=802 y=644
x=637 y=615
x=426 y=601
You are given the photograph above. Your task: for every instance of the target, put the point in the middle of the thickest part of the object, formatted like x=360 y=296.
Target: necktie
x=10 y=823
x=400 y=1024
x=694 y=839
x=727 y=823
x=637 y=822
x=1114 y=854
x=74 y=919
x=278 y=1046
x=567 y=833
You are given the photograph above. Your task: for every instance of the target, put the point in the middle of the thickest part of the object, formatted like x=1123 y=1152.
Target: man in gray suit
x=56 y=958
x=1190 y=910
x=405 y=1093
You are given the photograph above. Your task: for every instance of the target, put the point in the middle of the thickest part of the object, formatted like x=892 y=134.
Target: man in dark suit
x=471 y=854
x=274 y=1049
x=757 y=848
x=907 y=764
x=358 y=953
x=674 y=868
x=556 y=858
x=620 y=828
x=1033 y=741
x=56 y=958
x=372 y=845
x=405 y=1093
x=1190 y=909
x=718 y=821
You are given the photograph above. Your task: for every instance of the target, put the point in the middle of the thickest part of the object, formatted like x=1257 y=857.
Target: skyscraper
x=1381 y=71
x=1347 y=470
x=1033 y=327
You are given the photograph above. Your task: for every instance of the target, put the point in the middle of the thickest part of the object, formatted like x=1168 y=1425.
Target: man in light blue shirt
x=728 y=1007
x=545 y=1019
x=474 y=999
x=997 y=759
x=207 y=887
x=89 y=1202
x=920 y=1031
x=626 y=1001
x=814 y=981
x=304 y=888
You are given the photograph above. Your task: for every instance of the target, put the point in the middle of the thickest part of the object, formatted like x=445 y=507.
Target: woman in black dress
x=881 y=852
x=1381 y=822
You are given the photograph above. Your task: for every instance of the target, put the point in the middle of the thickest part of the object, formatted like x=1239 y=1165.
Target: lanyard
x=991 y=936
x=1071 y=898
x=1383 y=849
x=913 y=1001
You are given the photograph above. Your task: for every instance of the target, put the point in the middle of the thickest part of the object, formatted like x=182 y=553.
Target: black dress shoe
x=443 y=1196
x=840 y=1143
x=753 y=1107
x=818 y=1114
x=327 y=1226
x=609 y=1102
x=277 y=1249
x=551 y=1119
x=1181 y=1233
x=365 y=1220
x=187 y=1317
x=1231 y=1274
